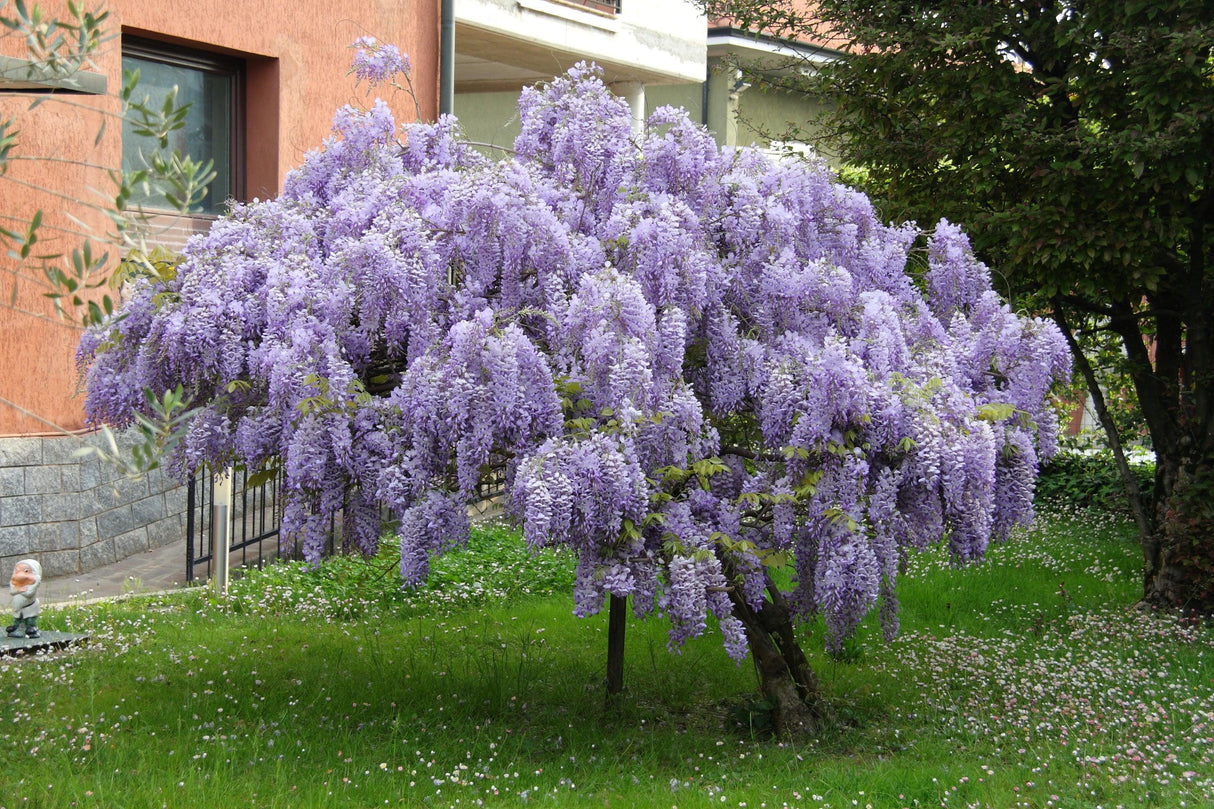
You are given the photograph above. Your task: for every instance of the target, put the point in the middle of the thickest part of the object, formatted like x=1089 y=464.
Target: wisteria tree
x=718 y=380
x=1076 y=142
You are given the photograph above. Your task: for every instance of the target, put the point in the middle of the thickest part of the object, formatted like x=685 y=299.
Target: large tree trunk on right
x=1173 y=375
x=1180 y=556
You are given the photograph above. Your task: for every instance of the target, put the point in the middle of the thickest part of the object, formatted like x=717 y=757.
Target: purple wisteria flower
x=692 y=365
x=377 y=62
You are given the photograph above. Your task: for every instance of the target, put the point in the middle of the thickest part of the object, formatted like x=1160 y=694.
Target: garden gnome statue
x=27 y=575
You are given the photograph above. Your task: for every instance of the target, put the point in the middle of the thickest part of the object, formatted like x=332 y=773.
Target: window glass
x=208 y=134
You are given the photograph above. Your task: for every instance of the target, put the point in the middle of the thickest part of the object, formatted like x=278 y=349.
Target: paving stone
x=48 y=640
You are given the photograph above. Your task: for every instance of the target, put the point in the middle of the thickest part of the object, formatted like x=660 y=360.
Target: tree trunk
x=1170 y=383
x=1137 y=502
x=785 y=678
x=1181 y=570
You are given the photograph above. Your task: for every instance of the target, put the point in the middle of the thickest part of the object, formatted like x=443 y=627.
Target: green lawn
x=1028 y=680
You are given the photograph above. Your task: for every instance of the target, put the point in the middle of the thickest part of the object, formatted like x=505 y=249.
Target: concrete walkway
x=148 y=572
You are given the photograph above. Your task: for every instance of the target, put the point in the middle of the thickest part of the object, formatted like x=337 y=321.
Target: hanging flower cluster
x=692 y=364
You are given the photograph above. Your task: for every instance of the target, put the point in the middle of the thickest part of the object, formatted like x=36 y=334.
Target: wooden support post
x=617 y=620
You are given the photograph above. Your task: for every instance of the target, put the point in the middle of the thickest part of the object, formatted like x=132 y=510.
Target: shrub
x=1089 y=478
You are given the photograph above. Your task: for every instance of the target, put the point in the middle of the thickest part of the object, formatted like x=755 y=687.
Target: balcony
x=502 y=45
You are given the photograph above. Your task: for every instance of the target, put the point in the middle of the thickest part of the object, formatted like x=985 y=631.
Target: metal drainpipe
x=446 y=59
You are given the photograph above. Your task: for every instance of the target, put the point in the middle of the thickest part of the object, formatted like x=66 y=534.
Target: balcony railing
x=605 y=6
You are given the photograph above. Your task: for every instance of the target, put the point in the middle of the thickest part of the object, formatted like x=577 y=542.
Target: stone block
x=131 y=543
x=69 y=476
x=47 y=537
x=148 y=510
x=12 y=481
x=120 y=492
x=158 y=481
x=62 y=536
x=24 y=509
x=116 y=521
x=61 y=450
x=106 y=474
x=87 y=529
x=42 y=480
x=60 y=506
x=43 y=537
x=15 y=541
x=20 y=452
x=98 y=554
x=60 y=563
x=175 y=500
x=166 y=531
x=90 y=506
x=90 y=474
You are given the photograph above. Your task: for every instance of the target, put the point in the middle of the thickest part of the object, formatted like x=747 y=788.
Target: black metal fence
x=257 y=520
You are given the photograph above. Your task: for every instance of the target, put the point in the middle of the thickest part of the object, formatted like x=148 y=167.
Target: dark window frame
x=605 y=6
x=608 y=8
x=169 y=53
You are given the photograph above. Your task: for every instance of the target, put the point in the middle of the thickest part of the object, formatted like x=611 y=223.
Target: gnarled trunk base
x=785 y=678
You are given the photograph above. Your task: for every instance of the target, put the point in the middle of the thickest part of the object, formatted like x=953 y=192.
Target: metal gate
x=257 y=516
x=257 y=519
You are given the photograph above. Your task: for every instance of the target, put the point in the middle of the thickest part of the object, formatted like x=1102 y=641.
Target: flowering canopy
x=695 y=363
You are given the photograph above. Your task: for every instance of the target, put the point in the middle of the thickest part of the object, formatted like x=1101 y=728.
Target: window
x=212 y=86
x=606 y=6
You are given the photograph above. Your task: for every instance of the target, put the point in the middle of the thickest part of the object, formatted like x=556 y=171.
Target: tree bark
x=1138 y=507
x=1181 y=573
x=785 y=678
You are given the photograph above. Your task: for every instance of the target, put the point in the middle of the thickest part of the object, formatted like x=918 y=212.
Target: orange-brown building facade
x=284 y=70
x=291 y=61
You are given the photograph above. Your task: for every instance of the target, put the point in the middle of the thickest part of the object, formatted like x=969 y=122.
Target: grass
x=1027 y=681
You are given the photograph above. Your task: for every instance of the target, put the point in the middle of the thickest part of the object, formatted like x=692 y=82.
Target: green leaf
x=996 y=412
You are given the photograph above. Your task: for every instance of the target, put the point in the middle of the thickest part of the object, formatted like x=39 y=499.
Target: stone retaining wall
x=74 y=514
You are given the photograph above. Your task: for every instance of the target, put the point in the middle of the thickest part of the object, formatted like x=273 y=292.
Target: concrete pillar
x=634 y=93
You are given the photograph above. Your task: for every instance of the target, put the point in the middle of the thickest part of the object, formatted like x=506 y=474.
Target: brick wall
x=74 y=514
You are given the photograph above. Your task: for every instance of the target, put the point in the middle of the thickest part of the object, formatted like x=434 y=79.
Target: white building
x=503 y=45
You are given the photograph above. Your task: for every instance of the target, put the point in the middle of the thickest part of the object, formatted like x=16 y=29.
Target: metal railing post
x=221 y=523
